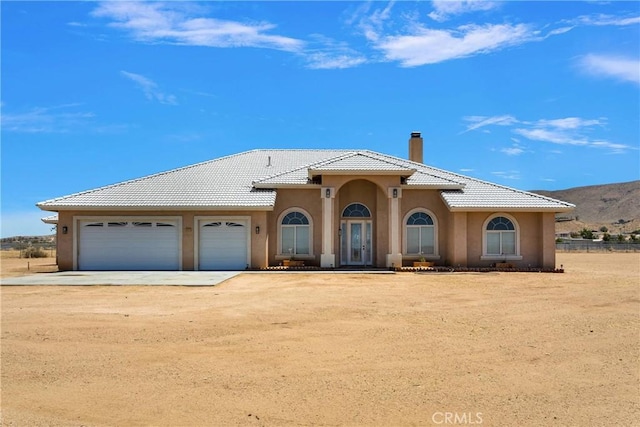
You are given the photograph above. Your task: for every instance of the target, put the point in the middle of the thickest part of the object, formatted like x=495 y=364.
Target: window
x=295 y=234
x=420 y=234
x=500 y=237
x=356 y=210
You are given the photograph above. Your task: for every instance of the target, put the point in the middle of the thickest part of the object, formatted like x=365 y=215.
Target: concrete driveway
x=128 y=278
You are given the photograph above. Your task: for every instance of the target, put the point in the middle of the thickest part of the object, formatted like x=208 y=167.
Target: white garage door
x=129 y=245
x=223 y=245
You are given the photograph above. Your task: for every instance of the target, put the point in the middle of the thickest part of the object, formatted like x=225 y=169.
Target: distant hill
x=615 y=206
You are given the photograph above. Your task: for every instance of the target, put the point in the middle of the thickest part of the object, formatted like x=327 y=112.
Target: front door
x=356 y=242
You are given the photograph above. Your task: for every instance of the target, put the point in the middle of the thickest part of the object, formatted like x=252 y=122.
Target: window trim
x=279 y=254
x=436 y=246
x=500 y=257
x=342 y=215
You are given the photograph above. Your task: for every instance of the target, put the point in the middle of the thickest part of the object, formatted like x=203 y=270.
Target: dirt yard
x=12 y=265
x=491 y=349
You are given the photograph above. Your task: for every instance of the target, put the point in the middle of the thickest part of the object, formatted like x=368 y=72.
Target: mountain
x=615 y=206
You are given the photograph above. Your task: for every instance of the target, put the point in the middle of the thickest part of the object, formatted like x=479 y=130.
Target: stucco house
x=329 y=208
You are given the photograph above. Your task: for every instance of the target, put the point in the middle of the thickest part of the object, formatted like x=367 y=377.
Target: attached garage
x=125 y=244
x=223 y=244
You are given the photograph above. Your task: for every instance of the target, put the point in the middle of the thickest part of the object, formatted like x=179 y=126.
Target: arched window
x=420 y=234
x=501 y=237
x=356 y=210
x=295 y=234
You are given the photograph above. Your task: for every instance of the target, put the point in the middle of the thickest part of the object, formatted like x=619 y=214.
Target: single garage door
x=129 y=245
x=223 y=245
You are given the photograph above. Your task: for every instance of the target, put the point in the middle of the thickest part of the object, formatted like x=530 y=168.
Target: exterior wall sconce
x=257 y=229
x=327 y=193
x=65 y=229
x=395 y=193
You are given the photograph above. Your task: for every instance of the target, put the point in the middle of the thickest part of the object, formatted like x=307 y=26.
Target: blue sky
x=532 y=95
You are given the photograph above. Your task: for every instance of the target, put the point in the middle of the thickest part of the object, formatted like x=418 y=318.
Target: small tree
x=621 y=238
x=586 y=233
x=604 y=229
x=606 y=237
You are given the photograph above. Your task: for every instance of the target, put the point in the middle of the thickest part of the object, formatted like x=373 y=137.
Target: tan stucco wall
x=459 y=233
x=308 y=200
x=430 y=200
x=188 y=227
x=537 y=239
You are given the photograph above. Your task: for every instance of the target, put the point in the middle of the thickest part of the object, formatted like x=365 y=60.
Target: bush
x=34 y=252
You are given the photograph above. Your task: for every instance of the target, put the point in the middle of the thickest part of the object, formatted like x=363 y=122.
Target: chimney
x=415 y=147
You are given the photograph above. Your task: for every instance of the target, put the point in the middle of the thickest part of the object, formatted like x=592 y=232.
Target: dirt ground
x=11 y=265
x=491 y=349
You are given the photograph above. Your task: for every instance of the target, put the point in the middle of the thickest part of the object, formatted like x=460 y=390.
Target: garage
x=121 y=244
x=223 y=244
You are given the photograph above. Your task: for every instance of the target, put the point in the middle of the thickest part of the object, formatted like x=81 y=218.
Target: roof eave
x=351 y=172
x=58 y=208
x=433 y=186
x=265 y=186
x=508 y=209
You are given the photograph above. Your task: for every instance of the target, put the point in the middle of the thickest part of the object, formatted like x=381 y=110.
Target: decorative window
x=501 y=237
x=234 y=224
x=295 y=234
x=141 y=224
x=213 y=224
x=420 y=234
x=117 y=224
x=95 y=224
x=164 y=224
x=356 y=210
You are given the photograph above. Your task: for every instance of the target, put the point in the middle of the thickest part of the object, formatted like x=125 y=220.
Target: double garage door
x=140 y=244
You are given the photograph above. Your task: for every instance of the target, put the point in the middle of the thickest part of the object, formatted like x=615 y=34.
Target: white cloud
x=507 y=174
x=607 y=20
x=553 y=136
x=512 y=151
x=326 y=53
x=150 y=88
x=620 y=68
x=333 y=60
x=478 y=122
x=573 y=131
x=429 y=46
x=571 y=123
x=444 y=9
x=371 y=24
x=174 y=23
x=56 y=119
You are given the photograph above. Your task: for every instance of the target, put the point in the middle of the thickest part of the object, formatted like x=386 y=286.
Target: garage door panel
x=128 y=245
x=223 y=245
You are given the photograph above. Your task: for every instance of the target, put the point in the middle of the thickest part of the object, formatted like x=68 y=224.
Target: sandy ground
x=491 y=349
x=11 y=265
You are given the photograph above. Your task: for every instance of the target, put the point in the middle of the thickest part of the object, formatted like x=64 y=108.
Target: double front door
x=356 y=242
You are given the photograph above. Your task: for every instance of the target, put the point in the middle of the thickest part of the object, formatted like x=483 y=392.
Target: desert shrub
x=34 y=252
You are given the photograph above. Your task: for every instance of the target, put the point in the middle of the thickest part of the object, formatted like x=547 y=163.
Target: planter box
x=292 y=263
x=423 y=264
x=504 y=265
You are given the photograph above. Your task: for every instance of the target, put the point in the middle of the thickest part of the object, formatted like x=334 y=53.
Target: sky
x=531 y=95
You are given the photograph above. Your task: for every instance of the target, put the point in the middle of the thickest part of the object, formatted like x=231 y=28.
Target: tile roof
x=249 y=181
x=51 y=219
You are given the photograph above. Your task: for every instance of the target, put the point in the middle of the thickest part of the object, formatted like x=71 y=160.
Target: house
x=328 y=208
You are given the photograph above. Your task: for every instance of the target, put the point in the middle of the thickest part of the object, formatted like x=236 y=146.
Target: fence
x=589 y=246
